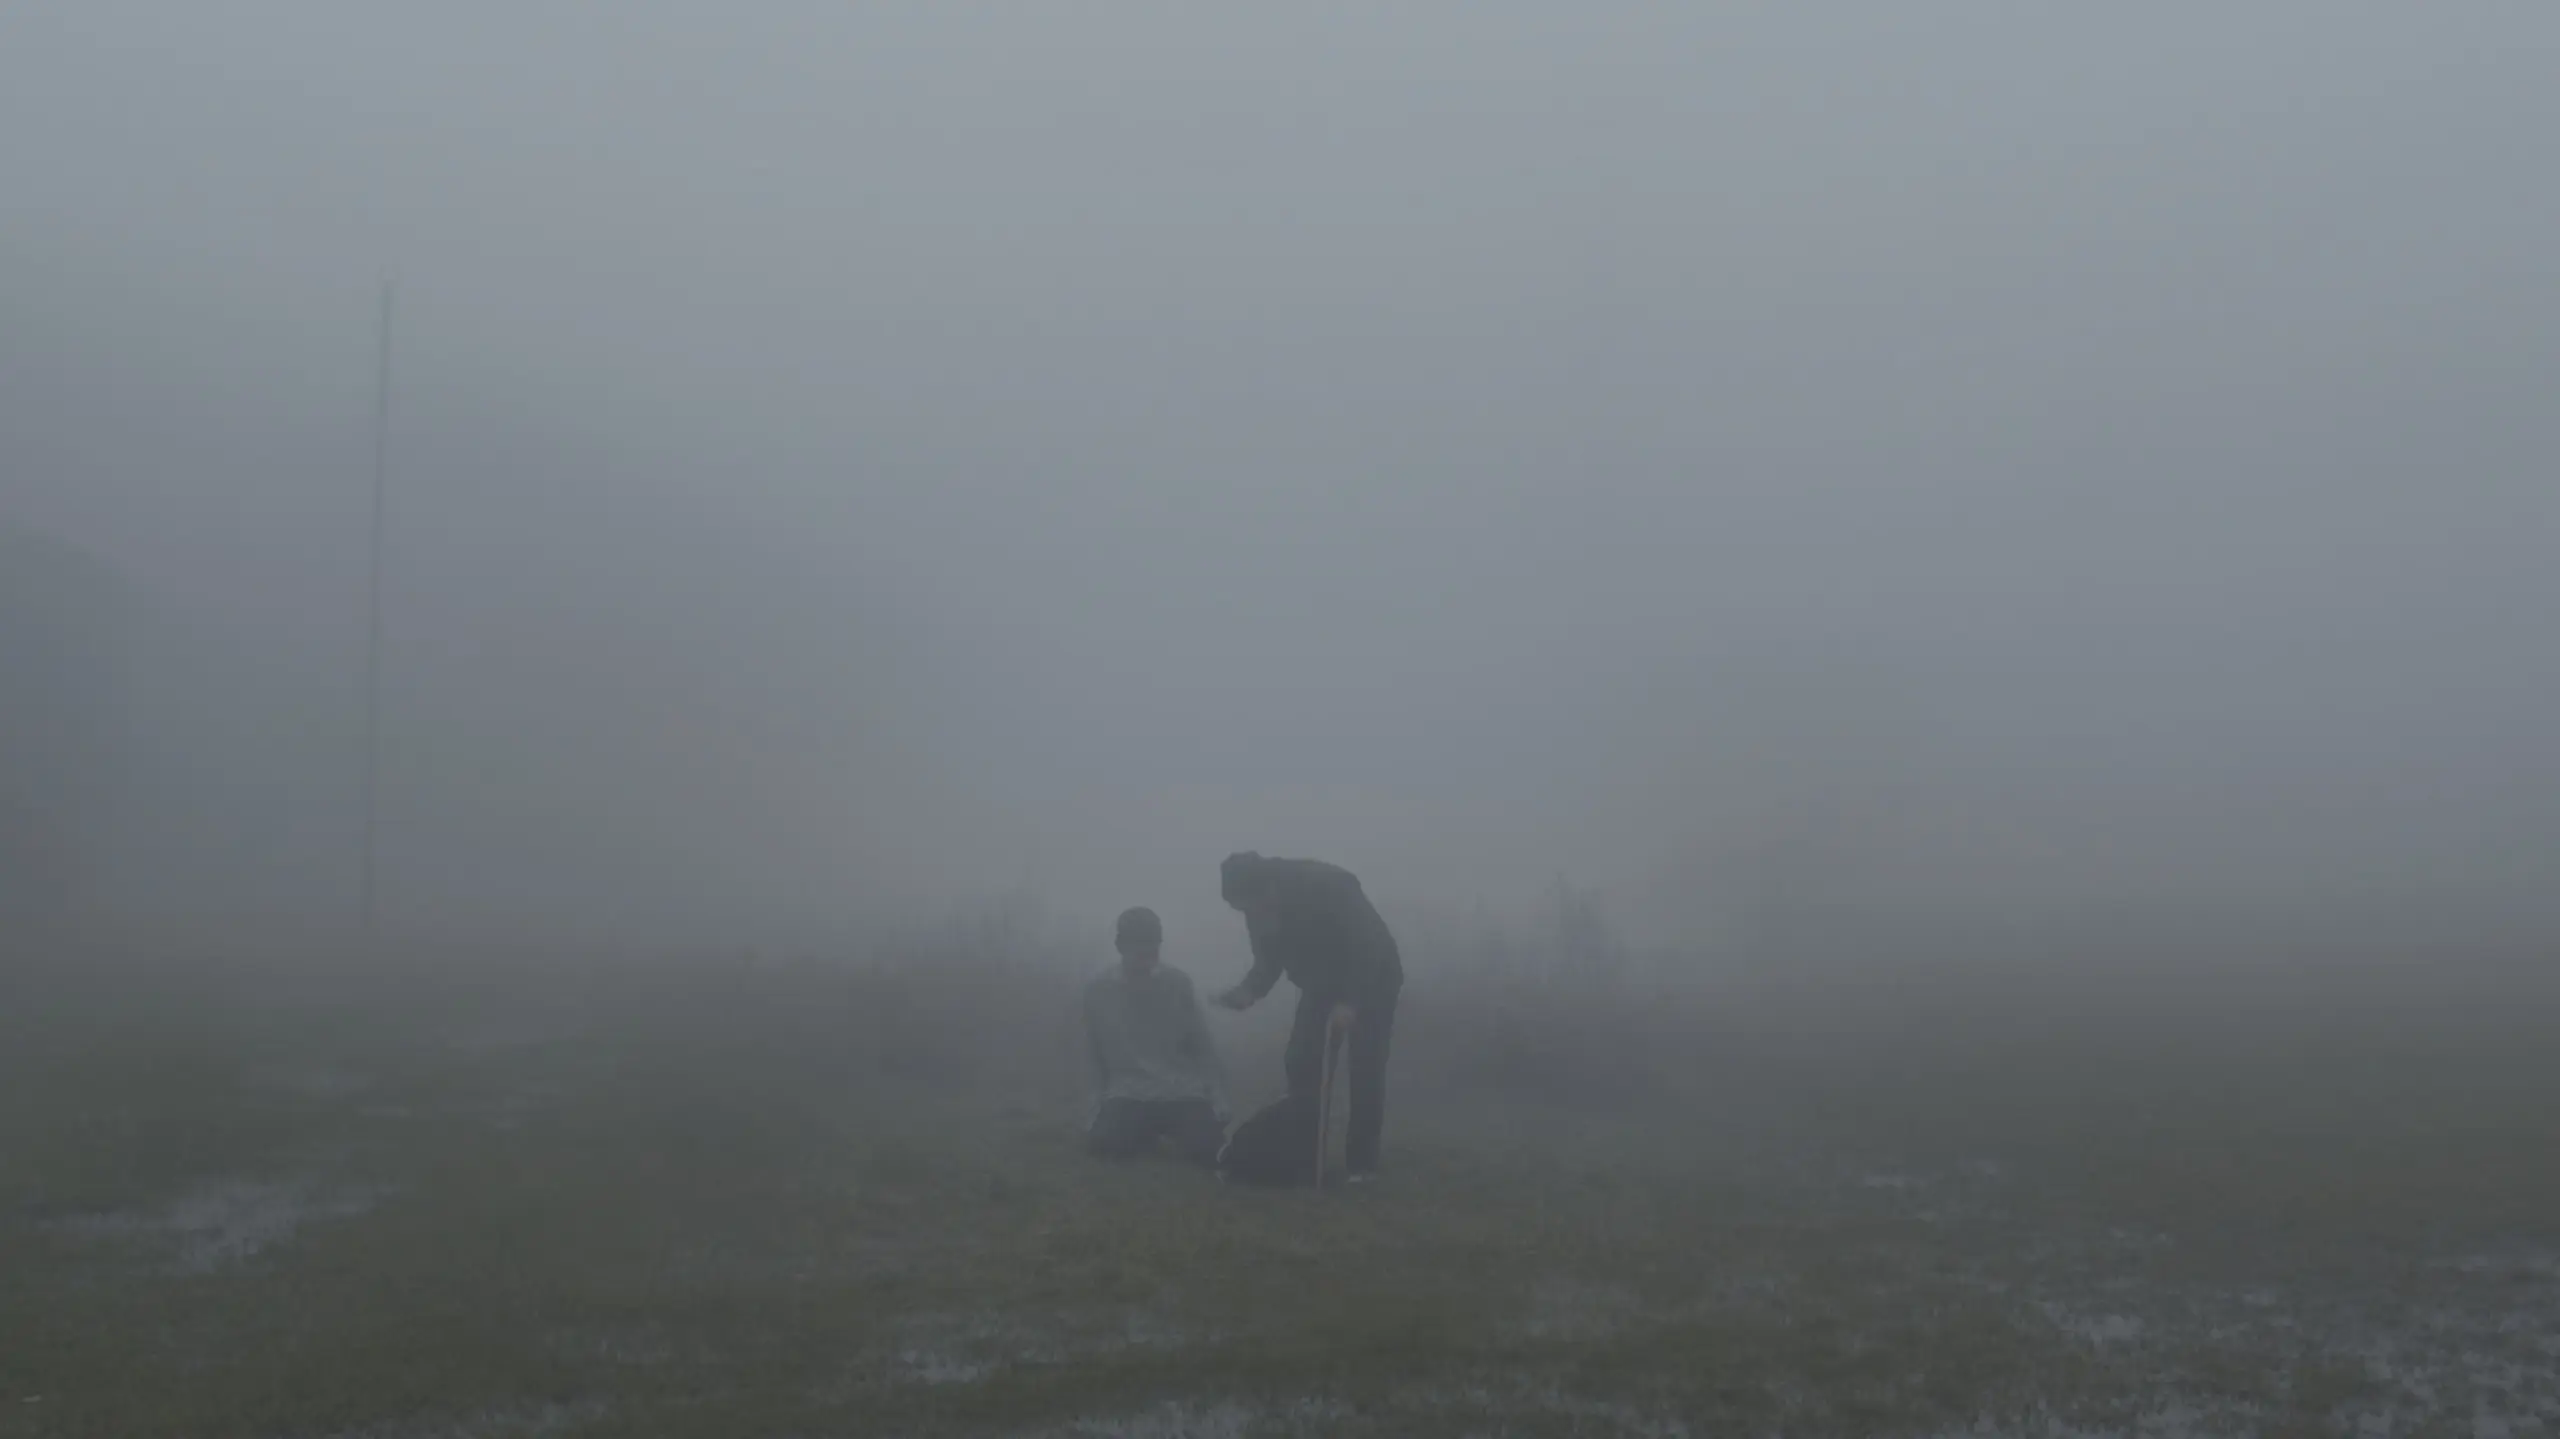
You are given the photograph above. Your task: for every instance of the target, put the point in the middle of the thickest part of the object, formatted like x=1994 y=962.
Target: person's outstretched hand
x=1237 y=998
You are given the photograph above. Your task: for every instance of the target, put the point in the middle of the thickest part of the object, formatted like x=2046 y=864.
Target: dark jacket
x=1326 y=937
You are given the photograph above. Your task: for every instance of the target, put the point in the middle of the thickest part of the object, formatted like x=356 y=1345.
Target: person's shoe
x=1360 y=1176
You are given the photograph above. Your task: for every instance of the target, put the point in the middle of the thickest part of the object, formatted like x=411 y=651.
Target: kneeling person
x=1156 y=1075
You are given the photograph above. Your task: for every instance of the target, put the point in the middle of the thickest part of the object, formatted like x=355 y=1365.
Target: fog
x=1944 y=462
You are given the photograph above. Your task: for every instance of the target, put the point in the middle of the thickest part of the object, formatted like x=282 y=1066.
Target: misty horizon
x=845 y=464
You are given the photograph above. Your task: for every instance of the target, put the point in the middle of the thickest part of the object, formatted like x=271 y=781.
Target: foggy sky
x=1988 y=454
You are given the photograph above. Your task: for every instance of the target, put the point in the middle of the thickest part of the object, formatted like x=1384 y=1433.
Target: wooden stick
x=1335 y=1035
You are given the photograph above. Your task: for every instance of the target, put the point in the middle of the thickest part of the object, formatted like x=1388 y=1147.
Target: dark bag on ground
x=1276 y=1146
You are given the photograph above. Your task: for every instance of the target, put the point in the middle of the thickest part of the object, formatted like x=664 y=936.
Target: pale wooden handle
x=1336 y=1033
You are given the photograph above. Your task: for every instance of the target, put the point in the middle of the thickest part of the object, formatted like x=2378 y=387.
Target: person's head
x=1140 y=937
x=1246 y=883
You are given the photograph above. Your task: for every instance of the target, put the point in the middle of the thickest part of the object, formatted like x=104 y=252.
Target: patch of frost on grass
x=228 y=1222
x=531 y=1422
x=966 y=1349
x=1222 y=1419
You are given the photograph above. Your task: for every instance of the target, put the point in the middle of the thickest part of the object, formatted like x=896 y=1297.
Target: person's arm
x=1265 y=972
x=1258 y=980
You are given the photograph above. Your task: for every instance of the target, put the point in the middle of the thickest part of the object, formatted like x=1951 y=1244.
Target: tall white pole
x=373 y=619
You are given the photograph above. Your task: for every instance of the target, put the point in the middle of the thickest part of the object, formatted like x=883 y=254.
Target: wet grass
x=707 y=1201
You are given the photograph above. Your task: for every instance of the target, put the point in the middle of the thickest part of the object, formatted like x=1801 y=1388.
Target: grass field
x=714 y=1199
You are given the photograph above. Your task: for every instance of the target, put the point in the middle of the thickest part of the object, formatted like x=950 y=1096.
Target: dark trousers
x=1370 y=1036
x=1127 y=1128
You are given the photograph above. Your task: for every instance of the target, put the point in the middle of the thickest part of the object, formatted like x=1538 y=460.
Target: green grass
x=807 y=1201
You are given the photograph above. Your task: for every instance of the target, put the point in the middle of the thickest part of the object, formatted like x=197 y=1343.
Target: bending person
x=1311 y=921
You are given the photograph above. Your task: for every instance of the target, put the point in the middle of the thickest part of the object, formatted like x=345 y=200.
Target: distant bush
x=1551 y=1010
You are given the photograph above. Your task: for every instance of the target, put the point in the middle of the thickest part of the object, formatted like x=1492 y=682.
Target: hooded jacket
x=1324 y=935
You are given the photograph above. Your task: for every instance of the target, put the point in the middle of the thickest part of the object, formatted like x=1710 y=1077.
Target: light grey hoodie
x=1150 y=1040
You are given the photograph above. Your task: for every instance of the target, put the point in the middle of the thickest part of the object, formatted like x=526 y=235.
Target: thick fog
x=1905 y=460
